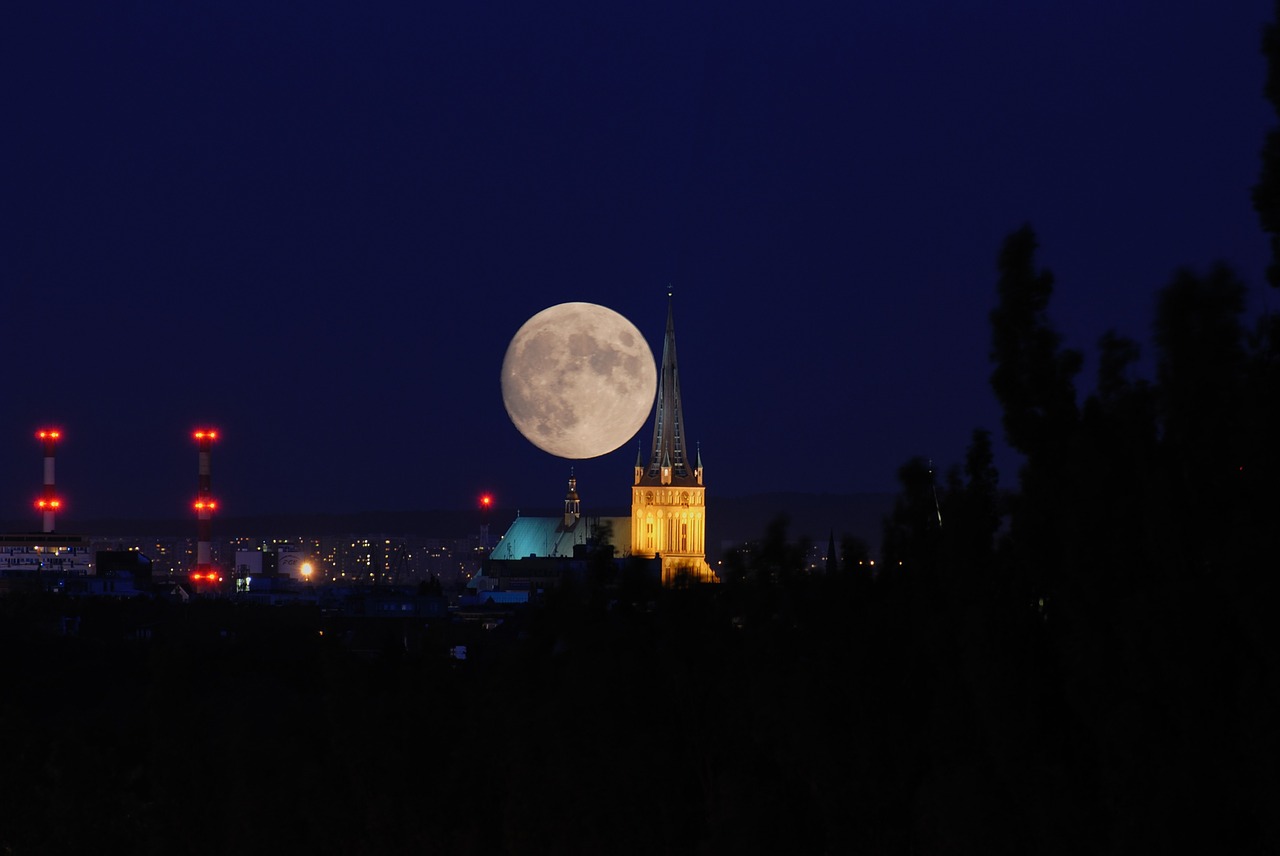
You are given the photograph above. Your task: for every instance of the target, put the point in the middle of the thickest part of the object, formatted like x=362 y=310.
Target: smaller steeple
x=572 y=504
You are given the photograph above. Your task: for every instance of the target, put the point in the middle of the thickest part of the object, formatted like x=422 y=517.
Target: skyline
x=319 y=235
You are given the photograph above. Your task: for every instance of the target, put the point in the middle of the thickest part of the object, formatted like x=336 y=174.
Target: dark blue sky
x=318 y=225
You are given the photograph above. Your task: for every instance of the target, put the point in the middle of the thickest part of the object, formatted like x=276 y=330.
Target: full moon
x=578 y=380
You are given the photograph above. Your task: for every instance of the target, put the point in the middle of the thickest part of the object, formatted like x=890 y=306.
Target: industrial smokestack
x=48 y=503
x=205 y=505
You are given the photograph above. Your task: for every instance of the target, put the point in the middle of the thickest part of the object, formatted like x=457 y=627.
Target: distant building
x=537 y=552
x=119 y=565
x=256 y=566
x=559 y=537
x=40 y=560
x=290 y=560
x=67 y=564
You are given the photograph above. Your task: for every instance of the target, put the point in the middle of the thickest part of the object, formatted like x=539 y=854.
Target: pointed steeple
x=668 y=460
x=572 y=503
x=668 y=499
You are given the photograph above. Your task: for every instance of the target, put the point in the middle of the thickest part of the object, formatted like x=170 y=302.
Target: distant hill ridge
x=816 y=516
x=730 y=520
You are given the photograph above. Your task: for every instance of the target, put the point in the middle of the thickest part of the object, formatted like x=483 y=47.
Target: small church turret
x=572 y=503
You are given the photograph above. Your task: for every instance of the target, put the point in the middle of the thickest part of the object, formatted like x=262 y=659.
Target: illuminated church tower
x=668 y=501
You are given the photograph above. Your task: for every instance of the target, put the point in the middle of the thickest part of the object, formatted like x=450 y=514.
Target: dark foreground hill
x=816 y=516
x=780 y=712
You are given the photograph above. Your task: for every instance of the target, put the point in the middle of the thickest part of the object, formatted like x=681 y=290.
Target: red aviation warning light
x=49 y=438
x=48 y=503
x=486 y=504
x=205 y=505
x=204 y=438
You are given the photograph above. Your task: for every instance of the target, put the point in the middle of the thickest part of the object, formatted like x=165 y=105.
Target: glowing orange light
x=49 y=434
x=205 y=504
x=205 y=434
x=486 y=501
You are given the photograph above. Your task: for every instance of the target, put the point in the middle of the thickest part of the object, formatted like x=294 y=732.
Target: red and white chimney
x=48 y=503
x=205 y=505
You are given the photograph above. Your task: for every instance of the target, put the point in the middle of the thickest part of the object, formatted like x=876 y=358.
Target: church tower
x=572 y=503
x=668 y=500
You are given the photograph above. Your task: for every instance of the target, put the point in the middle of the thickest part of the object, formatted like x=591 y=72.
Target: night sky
x=317 y=226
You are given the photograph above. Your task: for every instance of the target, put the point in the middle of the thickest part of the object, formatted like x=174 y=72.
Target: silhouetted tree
x=1266 y=193
x=1257 y=467
x=970 y=510
x=1033 y=378
x=911 y=531
x=601 y=569
x=778 y=559
x=1120 y=494
x=1200 y=386
x=855 y=557
x=733 y=571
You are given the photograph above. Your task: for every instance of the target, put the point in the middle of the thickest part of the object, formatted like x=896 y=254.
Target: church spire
x=669 y=499
x=668 y=460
